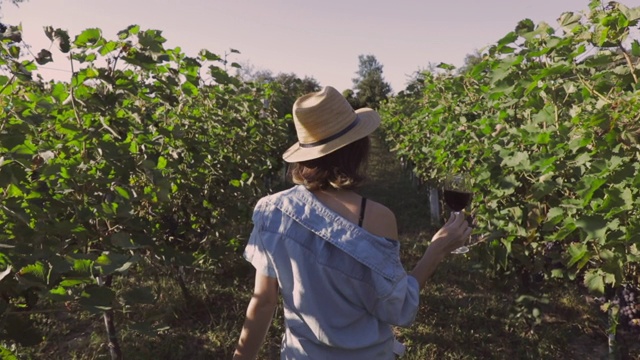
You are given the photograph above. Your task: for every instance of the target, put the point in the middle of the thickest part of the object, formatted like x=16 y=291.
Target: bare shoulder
x=380 y=220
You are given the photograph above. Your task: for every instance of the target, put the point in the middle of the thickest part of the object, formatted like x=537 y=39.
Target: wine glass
x=457 y=195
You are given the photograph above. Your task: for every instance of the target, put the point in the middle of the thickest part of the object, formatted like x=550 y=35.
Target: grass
x=466 y=313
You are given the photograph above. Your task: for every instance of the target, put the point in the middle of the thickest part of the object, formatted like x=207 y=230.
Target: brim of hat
x=369 y=122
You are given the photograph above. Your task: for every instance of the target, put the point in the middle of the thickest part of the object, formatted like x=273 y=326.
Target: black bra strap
x=362 y=206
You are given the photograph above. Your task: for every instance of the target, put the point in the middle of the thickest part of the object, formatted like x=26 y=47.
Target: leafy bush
x=147 y=156
x=547 y=122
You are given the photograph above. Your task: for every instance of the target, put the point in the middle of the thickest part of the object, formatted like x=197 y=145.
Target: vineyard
x=548 y=124
x=150 y=165
x=144 y=168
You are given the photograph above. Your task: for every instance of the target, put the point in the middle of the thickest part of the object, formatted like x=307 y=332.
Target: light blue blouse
x=342 y=287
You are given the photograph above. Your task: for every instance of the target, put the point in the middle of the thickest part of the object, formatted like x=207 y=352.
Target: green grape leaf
x=635 y=48
x=595 y=227
x=594 y=280
x=577 y=253
x=518 y=159
x=97 y=298
x=88 y=37
x=588 y=186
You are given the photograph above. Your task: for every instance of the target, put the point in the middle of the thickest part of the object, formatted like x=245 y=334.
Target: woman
x=333 y=254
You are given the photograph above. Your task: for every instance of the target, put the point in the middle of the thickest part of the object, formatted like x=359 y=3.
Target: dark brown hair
x=342 y=169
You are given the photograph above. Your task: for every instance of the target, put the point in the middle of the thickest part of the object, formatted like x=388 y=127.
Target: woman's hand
x=450 y=237
x=453 y=234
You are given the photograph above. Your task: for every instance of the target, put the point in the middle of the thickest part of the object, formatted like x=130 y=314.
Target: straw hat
x=326 y=122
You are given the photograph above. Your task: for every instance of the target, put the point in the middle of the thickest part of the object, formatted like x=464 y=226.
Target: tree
x=471 y=60
x=370 y=87
x=351 y=98
x=248 y=72
x=416 y=84
x=289 y=86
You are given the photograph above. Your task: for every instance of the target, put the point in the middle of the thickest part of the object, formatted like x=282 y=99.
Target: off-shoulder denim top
x=342 y=287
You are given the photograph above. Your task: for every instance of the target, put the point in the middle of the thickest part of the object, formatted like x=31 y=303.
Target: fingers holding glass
x=457 y=195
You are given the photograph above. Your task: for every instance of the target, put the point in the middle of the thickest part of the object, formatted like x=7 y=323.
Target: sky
x=319 y=39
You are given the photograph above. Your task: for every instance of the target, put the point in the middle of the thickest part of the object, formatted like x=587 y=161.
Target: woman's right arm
x=450 y=237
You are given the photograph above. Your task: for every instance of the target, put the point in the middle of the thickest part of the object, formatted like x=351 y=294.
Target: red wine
x=457 y=200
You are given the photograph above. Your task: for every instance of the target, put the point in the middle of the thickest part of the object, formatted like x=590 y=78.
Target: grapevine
x=152 y=160
x=547 y=123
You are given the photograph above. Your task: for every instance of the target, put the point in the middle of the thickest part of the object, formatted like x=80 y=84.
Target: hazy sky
x=321 y=39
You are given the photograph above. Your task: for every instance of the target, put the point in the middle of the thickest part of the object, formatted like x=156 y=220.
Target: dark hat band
x=334 y=136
